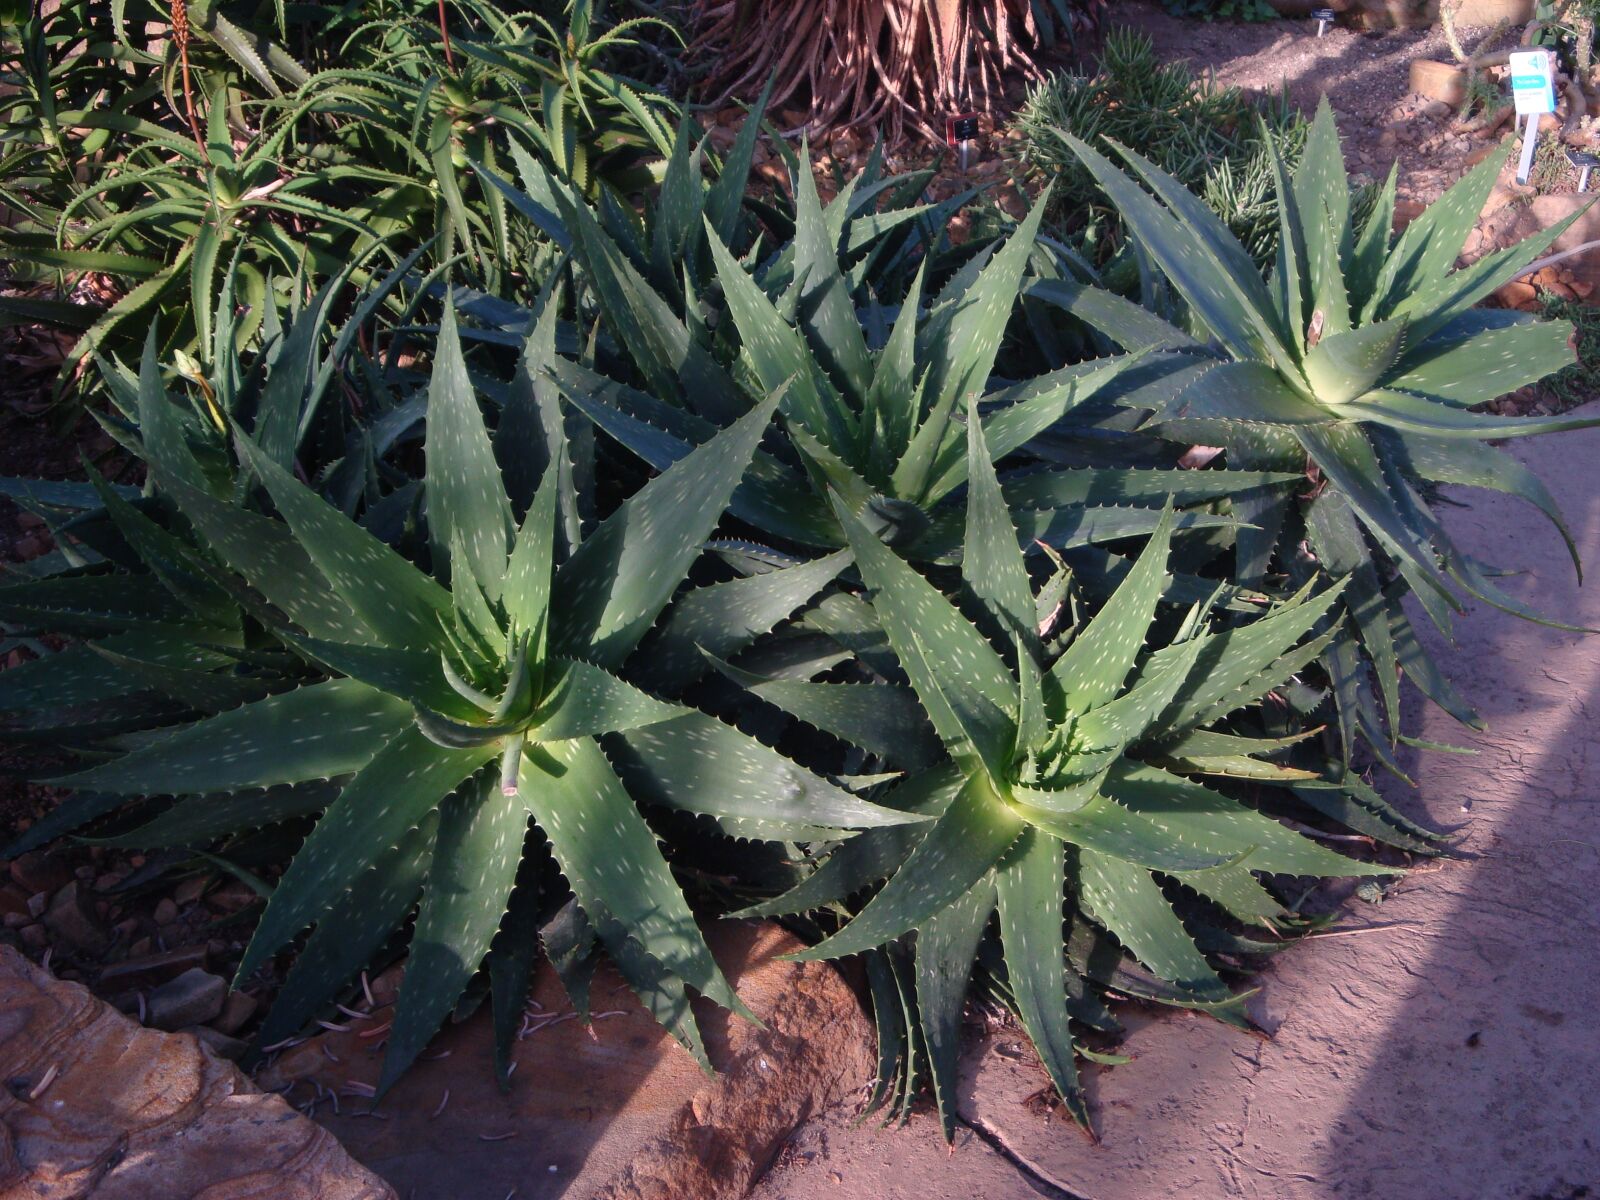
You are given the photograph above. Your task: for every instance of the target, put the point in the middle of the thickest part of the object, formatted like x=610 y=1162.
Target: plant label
x=1533 y=81
x=960 y=131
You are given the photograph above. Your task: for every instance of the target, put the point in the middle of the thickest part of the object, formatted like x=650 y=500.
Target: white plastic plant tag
x=1533 y=91
x=1533 y=81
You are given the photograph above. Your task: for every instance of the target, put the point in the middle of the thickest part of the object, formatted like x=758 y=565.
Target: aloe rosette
x=1362 y=359
x=1072 y=782
x=472 y=724
x=873 y=396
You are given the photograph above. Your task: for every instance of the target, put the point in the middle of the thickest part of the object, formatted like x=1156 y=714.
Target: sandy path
x=1449 y=1053
x=1366 y=77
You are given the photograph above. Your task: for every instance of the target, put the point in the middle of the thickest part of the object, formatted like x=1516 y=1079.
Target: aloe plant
x=346 y=164
x=1085 y=769
x=874 y=403
x=1361 y=362
x=455 y=707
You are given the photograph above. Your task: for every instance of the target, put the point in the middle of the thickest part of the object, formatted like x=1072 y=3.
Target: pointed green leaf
x=391 y=596
x=388 y=797
x=316 y=731
x=1489 y=364
x=526 y=595
x=610 y=858
x=1107 y=827
x=723 y=618
x=198 y=820
x=354 y=928
x=698 y=764
x=466 y=499
x=1346 y=365
x=586 y=700
x=474 y=866
x=826 y=311
x=780 y=356
x=1096 y=664
x=959 y=849
x=881 y=718
x=947 y=944
x=1030 y=886
x=991 y=562
x=611 y=590
x=1128 y=902
x=1194 y=814
x=961 y=681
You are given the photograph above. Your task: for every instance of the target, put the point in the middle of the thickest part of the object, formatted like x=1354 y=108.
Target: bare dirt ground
x=1438 y=1045
x=1366 y=77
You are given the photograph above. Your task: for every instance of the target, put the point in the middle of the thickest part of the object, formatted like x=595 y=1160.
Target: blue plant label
x=1533 y=81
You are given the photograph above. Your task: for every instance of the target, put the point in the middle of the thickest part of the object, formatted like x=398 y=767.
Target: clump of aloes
x=461 y=715
x=1068 y=777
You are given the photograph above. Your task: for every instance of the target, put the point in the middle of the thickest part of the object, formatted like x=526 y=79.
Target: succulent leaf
x=313 y=732
x=609 y=593
x=470 y=877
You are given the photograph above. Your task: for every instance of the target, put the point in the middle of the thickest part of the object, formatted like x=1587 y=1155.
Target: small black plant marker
x=960 y=131
x=1323 y=18
x=1585 y=162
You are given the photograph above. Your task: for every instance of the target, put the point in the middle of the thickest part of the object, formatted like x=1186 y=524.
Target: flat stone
x=238 y=1008
x=622 y=1113
x=37 y=871
x=219 y=1043
x=192 y=998
x=166 y=911
x=98 y=1107
x=71 y=917
x=13 y=900
x=1542 y=212
x=148 y=970
x=191 y=889
x=232 y=896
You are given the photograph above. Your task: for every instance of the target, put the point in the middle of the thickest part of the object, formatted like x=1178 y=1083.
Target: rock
x=71 y=917
x=37 y=903
x=218 y=1043
x=233 y=896
x=34 y=937
x=38 y=872
x=1407 y=211
x=166 y=911
x=1544 y=211
x=1501 y=194
x=238 y=1008
x=1517 y=294
x=13 y=900
x=100 y=1107
x=622 y=1114
x=191 y=889
x=193 y=998
x=148 y=970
